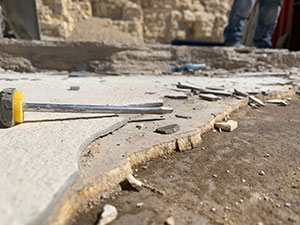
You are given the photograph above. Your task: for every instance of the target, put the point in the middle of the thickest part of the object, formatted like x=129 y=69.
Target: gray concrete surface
x=39 y=158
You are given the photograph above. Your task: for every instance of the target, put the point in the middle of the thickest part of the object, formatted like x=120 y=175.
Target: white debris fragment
x=277 y=101
x=170 y=221
x=209 y=97
x=253 y=105
x=240 y=93
x=133 y=181
x=229 y=125
x=256 y=100
x=139 y=205
x=109 y=214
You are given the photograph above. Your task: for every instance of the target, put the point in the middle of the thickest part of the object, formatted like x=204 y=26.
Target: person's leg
x=269 y=11
x=240 y=11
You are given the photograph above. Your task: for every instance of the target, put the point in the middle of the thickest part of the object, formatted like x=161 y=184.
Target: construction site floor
x=248 y=176
x=54 y=165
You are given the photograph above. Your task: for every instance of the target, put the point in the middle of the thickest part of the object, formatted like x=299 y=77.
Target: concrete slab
x=40 y=156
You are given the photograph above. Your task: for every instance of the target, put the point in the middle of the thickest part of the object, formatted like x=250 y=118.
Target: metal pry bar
x=71 y=108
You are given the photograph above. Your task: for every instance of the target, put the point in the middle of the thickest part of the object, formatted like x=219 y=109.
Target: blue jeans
x=268 y=14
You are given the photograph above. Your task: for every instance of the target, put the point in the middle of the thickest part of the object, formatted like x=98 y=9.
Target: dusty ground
x=222 y=182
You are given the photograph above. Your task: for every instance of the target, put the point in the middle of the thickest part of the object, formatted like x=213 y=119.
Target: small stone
x=213 y=209
x=215 y=176
x=227 y=171
x=170 y=129
x=241 y=200
x=170 y=221
x=288 y=205
x=262 y=173
x=243 y=180
x=139 y=126
x=109 y=214
x=267 y=155
x=74 y=88
x=203 y=148
x=277 y=205
x=229 y=125
x=260 y=223
x=139 y=205
x=209 y=97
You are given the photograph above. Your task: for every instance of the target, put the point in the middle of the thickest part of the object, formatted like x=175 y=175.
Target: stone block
x=229 y=125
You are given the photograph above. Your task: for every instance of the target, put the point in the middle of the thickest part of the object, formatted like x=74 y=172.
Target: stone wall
x=153 y=21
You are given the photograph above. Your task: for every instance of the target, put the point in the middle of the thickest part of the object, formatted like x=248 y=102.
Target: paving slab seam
x=74 y=200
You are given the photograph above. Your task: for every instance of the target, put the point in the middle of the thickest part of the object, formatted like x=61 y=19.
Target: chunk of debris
x=170 y=221
x=176 y=96
x=261 y=173
x=216 y=88
x=240 y=93
x=137 y=184
x=183 y=116
x=139 y=126
x=277 y=101
x=74 y=88
x=215 y=92
x=256 y=100
x=253 y=92
x=229 y=125
x=170 y=129
x=139 y=205
x=133 y=181
x=186 y=85
x=239 y=97
x=253 y=105
x=209 y=97
x=109 y=214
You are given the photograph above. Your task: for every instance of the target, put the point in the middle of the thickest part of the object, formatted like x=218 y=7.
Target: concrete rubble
x=109 y=214
x=52 y=164
x=229 y=125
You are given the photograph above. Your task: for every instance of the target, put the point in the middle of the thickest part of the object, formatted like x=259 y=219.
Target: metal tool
x=13 y=106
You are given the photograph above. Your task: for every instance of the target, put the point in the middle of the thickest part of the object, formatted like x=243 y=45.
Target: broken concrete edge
x=74 y=200
x=75 y=176
x=105 y=57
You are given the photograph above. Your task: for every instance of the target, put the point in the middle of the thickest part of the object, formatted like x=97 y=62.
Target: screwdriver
x=13 y=106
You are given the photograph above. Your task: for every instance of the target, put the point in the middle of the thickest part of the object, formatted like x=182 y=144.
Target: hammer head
x=7 y=107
